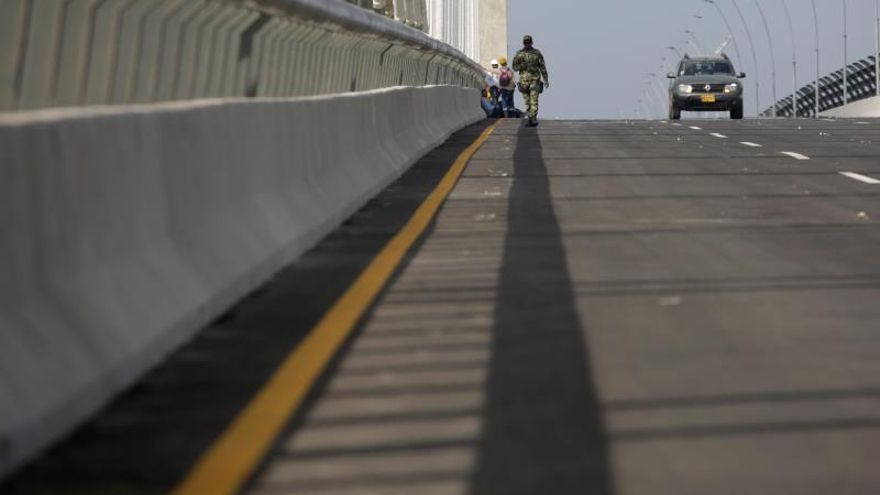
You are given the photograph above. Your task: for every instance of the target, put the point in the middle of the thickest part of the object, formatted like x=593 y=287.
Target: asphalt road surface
x=599 y=308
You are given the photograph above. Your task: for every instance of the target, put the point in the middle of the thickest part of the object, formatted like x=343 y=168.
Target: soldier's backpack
x=506 y=77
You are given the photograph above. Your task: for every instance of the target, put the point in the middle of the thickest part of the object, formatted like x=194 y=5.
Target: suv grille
x=714 y=88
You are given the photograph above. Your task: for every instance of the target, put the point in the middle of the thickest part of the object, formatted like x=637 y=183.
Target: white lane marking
x=752 y=145
x=663 y=122
x=696 y=128
x=796 y=156
x=863 y=123
x=860 y=177
x=722 y=136
x=676 y=125
x=670 y=301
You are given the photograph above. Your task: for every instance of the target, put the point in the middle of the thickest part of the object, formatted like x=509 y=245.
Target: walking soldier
x=529 y=62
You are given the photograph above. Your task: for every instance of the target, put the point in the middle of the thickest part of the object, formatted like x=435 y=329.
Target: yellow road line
x=227 y=465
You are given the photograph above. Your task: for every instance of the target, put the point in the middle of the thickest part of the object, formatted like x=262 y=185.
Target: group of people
x=501 y=83
x=499 y=88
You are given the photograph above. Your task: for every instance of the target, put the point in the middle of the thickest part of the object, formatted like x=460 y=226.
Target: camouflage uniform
x=529 y=62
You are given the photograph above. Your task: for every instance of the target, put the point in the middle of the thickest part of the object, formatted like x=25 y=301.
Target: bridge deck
x=600 y=307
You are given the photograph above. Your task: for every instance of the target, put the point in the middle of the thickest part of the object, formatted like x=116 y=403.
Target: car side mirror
x=741 y=75
x=670 y=76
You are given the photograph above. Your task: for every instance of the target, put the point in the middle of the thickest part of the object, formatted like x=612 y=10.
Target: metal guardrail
x=98 y=52
x=861 y=85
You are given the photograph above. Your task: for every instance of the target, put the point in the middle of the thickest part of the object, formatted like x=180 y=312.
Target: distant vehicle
x=706 y=84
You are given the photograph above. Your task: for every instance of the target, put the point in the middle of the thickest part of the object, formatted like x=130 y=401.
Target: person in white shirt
x=492 y=80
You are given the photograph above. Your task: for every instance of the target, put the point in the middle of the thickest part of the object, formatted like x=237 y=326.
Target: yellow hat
x=502 y=60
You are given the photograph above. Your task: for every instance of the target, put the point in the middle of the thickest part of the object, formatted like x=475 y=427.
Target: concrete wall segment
x=862 y=109
x=123 y=238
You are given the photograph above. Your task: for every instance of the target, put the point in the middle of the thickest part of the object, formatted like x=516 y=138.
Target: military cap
x=527 y=39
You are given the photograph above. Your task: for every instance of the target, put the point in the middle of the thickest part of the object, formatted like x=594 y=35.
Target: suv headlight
x=731 y=88
x=685 y=88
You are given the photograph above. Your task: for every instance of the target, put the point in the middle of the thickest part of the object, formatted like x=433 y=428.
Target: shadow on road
x=542 y=426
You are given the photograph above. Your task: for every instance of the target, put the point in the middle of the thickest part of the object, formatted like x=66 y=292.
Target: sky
x=599 y=52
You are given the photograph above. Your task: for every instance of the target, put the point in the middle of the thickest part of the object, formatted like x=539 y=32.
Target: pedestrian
x=494 y=68
x=492 y=80
x=507 y=85
x=529 y=62
x=490 y=105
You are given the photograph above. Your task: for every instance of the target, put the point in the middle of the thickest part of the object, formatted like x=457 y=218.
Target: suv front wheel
x=674 y=112
x=736 y=112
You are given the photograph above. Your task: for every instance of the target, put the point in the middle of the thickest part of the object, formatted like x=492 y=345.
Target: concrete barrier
x=125 y=229
x=862 y=109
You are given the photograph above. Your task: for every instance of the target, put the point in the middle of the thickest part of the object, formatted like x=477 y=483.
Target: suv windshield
x=706 y=68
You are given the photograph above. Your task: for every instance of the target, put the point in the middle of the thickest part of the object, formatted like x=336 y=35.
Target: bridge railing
x=861 y=84
x=98 y=52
